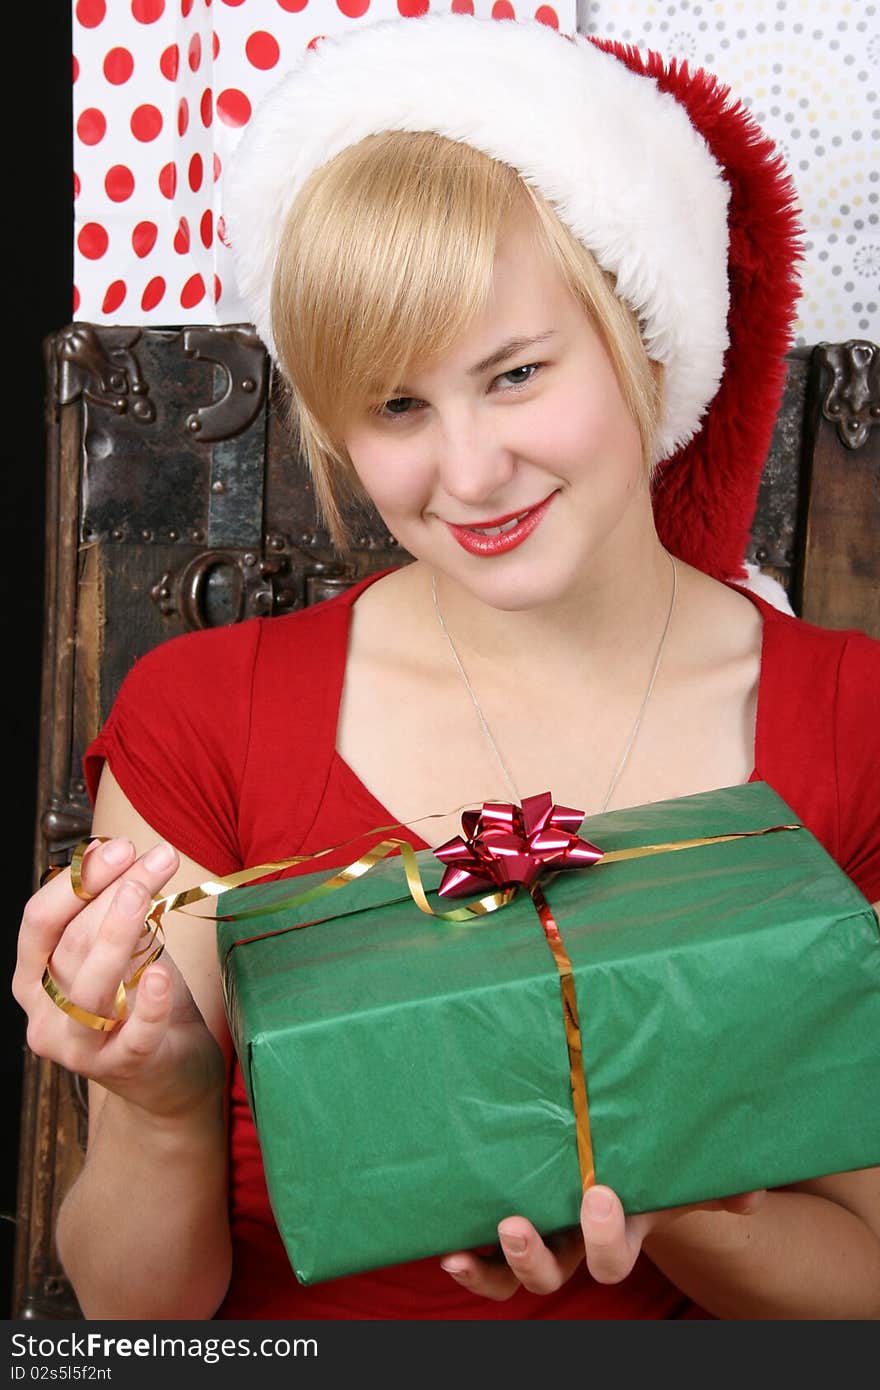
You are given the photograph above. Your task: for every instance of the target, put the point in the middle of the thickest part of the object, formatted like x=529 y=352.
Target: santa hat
x=664 y=177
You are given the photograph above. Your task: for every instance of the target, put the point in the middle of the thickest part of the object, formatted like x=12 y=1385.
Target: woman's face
x=523 y=419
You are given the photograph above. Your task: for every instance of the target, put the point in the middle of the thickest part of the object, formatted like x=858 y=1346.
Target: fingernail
x=159 y=857
x=452 y=1268
x=156 y=985
x=514 y=1244
x=117 y=851
x=131 y=898
x=598 y=1205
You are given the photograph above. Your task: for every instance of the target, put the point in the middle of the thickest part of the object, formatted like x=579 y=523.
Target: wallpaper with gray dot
x=809 y=71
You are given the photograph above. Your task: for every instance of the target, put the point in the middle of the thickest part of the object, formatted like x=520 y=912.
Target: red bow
x=504 y=844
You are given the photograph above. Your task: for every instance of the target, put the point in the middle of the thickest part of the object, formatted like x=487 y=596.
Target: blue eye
x=519 y=376
x=399 y=406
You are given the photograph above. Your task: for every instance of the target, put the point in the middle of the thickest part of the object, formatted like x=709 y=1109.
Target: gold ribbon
x=491 y=902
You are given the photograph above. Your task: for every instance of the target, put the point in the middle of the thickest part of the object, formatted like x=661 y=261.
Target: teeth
x=498 y=530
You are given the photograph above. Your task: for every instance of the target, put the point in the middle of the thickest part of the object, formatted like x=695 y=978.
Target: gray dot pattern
x=809 y=72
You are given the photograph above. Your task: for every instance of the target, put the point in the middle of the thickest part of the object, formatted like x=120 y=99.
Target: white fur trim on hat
x=766 y=587
x=618 y=159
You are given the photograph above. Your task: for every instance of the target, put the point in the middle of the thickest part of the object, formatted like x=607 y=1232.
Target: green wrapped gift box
x=409 y=1077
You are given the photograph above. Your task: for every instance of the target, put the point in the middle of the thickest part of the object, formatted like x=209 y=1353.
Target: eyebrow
x=508 y=349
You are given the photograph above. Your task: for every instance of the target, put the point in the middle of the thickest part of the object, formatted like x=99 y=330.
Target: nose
x=474 y=463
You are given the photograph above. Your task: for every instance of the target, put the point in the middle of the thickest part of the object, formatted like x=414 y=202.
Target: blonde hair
x=385 y=259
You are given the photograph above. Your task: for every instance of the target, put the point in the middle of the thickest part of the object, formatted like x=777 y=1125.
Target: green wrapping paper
x=409 y=1077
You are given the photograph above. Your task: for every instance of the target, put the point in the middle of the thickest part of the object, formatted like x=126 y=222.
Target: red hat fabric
x=705 y=494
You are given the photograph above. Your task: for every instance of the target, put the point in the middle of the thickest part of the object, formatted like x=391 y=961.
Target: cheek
x=391 y=476
x=593 y=429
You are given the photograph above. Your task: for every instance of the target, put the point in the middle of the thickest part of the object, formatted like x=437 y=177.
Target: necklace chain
x=637 y=724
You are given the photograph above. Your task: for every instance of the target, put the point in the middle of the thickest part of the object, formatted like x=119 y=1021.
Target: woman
x=506 y=323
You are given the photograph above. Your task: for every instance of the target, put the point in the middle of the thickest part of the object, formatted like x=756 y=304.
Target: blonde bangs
x=359 y=299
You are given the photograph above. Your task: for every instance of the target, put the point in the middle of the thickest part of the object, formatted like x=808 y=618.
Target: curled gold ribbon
x=153 y=935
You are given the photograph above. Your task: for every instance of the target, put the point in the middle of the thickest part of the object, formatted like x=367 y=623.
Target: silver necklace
x=633 y=733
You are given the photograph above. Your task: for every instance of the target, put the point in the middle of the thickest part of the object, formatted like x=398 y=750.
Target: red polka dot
x=153 y=292
x=217 y=167
x=118 y=66
x=410 y=9
x=91 y=126
x=170 y=62
x=186 y=7
x=143 y=238
x=76 y=184
x=502 y=9
x=353 y=8
x=114 y=297
x=90 y=13
x=118 y=183
x=146 y=122
x=545 y=14
x=221 y=231
x=75 y=67
x=182 y=116
x=193 y=292
x=206 y=228
x=168 y=180
x=196 y=172
x=92 y=241
x=462 y=6
x=313 y=43
x=75 y=301
x=233 y=107
x=262 y=50
x=292 y=6
x=218 y=289
x=181 y=237
x=206 y=107
x=215 y=43
x=147 y=11
x=233 y=4
x=194 y=52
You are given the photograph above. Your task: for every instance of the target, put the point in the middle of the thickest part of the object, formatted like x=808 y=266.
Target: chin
x=515 y=592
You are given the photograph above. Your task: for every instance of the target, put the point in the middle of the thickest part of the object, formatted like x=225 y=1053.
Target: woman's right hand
x=162 y=1058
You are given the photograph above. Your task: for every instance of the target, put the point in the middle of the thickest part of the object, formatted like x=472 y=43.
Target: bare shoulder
x=387 y=619
x=720 y=627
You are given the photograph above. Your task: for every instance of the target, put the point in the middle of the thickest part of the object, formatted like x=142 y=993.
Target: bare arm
x=143 y=1232
x=811 y=1251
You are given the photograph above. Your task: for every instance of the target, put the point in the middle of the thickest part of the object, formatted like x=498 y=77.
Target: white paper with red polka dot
x=162 y=91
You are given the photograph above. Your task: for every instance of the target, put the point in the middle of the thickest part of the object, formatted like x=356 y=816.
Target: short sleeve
x=857 y=751
x=176 y=740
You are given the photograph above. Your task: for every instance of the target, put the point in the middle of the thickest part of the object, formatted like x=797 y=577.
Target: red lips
x=478 y=543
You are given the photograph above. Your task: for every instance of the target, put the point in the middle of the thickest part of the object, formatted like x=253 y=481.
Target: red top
x=224 y=741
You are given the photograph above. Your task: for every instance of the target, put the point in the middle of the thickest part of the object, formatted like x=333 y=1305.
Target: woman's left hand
x=610 y=1241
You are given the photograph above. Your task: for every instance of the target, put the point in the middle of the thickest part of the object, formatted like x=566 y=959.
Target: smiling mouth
x=502 y=533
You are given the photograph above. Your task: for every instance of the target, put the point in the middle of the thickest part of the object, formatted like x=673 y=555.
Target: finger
x=540 y=1266
x=611 y=1253
x=147 y=1024
x=486 y=1277
x=54 y=906
x=75 y=947
x=95 y=982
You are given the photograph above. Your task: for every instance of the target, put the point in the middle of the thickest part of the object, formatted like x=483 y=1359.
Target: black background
x=37 y=289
